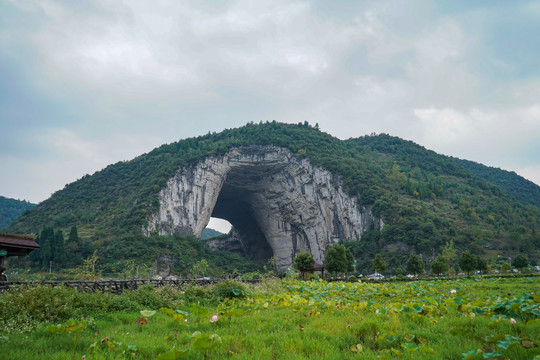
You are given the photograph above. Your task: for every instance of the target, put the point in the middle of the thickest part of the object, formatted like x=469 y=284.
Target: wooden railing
x=115 y=286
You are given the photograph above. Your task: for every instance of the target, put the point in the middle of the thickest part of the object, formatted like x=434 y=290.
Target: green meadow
x=290 y=319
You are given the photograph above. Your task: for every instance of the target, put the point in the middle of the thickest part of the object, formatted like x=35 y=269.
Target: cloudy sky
x=84 y=83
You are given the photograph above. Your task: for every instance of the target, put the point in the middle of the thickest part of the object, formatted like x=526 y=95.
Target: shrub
x=229 y=289
x=198 y=294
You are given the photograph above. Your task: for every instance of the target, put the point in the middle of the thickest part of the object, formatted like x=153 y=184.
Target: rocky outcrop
x=279 y=204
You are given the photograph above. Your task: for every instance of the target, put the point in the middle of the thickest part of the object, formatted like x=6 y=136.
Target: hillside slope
x=10 y=209
x=525 y=191
x=425 y=199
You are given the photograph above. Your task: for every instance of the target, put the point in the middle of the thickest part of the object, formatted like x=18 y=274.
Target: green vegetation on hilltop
x=425 y=200
x=511 y=183
x=10 y=209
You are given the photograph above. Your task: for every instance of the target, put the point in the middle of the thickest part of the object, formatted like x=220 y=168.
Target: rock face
x=279 y=205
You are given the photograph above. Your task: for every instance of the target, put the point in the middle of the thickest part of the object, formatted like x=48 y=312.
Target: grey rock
x=278 y=204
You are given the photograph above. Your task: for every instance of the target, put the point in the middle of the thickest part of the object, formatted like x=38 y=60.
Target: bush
x=22 y=306
x=198 y=294
x=150 y=298
x=229 y=289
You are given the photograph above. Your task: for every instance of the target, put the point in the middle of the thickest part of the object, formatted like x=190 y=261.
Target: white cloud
x=531 y=173
x=133 y=75
x=73 y=156
x=484 y=135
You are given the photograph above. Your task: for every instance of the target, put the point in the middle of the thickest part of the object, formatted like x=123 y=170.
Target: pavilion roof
x=18 y=241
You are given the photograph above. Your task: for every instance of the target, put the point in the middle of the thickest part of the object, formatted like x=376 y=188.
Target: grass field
x=454 y=319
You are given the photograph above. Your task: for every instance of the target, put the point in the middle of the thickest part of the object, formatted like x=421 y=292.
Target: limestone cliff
x=279 y=204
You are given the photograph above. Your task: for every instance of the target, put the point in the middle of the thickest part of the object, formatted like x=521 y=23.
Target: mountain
x=424 y=199
x=210 y=233
x=10 y=209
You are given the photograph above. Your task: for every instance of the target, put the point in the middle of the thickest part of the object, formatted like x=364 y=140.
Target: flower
x=512 y=320
x=176 y=336
x=214 y=318
x=142 y=321
x=453 y=291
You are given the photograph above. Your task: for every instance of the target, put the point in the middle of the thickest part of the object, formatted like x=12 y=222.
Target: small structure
x=319 y=267
x=16 y=245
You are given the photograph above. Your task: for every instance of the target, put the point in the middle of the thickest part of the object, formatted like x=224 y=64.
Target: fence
x=116 y=286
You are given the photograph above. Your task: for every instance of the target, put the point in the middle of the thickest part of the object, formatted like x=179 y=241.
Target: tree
x=520 y=262
x=505 y=267
x=73 y=235
x=88 y=269
x=338 y=259
x=481 y=264
x=467 y=262
x=46 y=238
x=415 y=264
x=303 y=262
x=59 y=255
x=200 y=267
x=378 y=264
x=449 y=252
x=440 y=265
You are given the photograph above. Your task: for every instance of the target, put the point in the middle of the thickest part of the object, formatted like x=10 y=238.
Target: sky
x=88 y=83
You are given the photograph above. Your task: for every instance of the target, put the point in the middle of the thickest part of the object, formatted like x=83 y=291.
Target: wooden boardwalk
x=116 y=286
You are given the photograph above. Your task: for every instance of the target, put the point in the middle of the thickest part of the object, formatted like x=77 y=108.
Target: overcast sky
x=84 y=84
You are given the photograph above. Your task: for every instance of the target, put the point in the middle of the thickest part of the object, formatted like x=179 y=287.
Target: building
x=16 y=245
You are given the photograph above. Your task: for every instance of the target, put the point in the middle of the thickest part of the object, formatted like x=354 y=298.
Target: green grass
x=296 y=320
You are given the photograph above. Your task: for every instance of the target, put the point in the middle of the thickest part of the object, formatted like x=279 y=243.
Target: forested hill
x=523 y=190
x=10 y=209
x=425 y=199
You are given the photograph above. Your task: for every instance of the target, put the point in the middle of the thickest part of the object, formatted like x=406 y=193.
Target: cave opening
x=237 y=203
x=220 y=225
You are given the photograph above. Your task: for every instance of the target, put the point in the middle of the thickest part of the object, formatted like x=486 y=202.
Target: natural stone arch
x=278 y=204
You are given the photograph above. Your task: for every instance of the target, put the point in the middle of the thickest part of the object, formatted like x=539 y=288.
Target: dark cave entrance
x=236 y=203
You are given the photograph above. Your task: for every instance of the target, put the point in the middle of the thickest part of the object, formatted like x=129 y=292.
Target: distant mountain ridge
x=424 y=199
x=210 y=233
x=10 y=209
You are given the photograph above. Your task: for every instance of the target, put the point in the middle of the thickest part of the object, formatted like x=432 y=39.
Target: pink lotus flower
x=453 y=291
x=214 y=318
x=512 y=320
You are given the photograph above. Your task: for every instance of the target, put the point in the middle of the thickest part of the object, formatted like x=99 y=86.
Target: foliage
x=415 y=264
x=520 y=262
x=338 y=259
x=59 y=249
x=73 y=235
x=210 y=233
x=481 y=264
x=303 y=262
x=505 y=267
x=10 y=209
x=468 y=262
x=88 y=269
x=522 y=189
x=200 y=267
x=229 y=289
x=304 y=320
x=378 y=264
x=439 y=265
